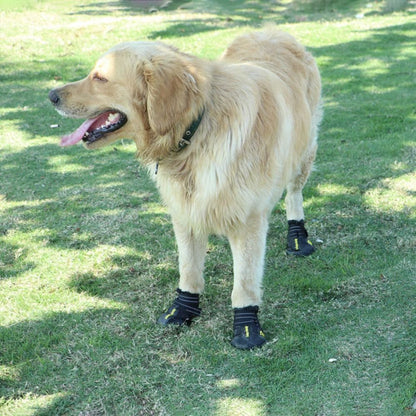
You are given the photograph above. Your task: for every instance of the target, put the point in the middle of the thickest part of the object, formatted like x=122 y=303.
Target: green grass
x=87 y=252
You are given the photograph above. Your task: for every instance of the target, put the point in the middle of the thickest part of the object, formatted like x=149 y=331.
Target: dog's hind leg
x=248 y=244
x=297 y=237
x=192 y=250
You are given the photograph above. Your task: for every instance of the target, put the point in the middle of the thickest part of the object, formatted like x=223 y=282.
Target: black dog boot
x=247 y=330
x=184 y=308
x=297 y=239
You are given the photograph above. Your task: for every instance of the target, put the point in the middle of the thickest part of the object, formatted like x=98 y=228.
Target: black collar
x=187 y=136
x=190 y=131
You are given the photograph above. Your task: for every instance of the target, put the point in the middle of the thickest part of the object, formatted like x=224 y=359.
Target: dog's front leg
x=248 y=244
x=192 y=251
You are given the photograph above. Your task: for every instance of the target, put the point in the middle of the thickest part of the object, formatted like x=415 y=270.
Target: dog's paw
x=297 y=239
x=184 y=308
x=247 y=330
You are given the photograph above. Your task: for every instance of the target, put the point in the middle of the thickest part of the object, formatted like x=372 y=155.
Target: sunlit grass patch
x=395 y=194
x=29 y=403
x=240 y=407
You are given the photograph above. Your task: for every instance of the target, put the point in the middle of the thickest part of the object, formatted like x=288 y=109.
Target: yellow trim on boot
x=170 y=314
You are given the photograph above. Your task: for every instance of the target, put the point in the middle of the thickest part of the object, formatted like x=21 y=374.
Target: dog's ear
x=171 y=91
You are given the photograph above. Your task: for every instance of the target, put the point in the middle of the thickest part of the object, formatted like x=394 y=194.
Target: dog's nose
x=54 y=97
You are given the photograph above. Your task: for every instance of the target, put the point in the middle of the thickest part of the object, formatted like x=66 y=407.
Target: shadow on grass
x=132 y=7
x=236 y=13
x=12 y=260
x=70 y=354
x=180 y=29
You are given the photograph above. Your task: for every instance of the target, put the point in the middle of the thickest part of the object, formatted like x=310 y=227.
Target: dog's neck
x=190 y=131
x=187 y=136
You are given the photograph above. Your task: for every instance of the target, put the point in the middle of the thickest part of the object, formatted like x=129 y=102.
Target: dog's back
x=283 y=55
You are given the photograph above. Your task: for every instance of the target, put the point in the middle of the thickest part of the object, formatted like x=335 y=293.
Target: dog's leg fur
x=294 y=198
x=297 y=241
x=192 y=250
x=248 y=244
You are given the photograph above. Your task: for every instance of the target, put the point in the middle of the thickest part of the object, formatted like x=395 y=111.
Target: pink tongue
x=78 y=134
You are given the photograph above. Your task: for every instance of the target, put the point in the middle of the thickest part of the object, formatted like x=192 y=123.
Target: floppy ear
x=171 y=91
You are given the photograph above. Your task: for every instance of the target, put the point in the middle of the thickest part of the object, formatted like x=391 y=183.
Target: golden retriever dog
x=222 y=139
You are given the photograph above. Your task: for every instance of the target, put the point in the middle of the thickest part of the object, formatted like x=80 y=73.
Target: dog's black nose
x=54 y=97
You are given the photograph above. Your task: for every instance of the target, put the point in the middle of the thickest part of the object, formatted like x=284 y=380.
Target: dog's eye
x=98 y=77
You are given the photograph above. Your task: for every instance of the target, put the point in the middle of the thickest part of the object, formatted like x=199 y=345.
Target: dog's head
x=145 y=91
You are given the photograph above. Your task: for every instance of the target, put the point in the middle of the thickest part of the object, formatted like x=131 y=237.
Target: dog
x=223 y=141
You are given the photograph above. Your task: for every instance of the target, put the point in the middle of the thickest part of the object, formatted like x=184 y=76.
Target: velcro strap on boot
x=247 y=330
x=297 y=239
x=184 y=308
x=188 y=301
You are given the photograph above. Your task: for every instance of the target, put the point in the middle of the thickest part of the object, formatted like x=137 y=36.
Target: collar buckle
x=190 y=131
x=183 y=142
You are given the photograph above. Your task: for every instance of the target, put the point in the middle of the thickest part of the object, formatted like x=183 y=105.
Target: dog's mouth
x=95 y=129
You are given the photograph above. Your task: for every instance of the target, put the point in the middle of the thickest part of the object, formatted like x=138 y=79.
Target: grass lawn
x=87 y=252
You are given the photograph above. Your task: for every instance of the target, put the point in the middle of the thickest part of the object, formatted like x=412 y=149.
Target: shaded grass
x=87 y=252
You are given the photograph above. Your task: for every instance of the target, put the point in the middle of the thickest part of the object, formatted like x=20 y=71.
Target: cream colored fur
x=257 y=137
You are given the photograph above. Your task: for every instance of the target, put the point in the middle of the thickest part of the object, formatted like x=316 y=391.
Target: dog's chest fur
x=242 y=155
x=214 y=190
